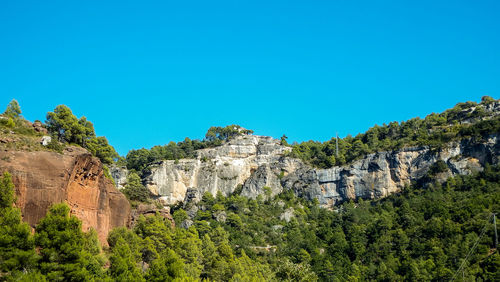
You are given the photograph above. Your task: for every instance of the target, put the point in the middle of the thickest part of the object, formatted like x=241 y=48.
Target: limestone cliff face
x=251 y=163
x=75 y=177
x=119 y=175
x=221 y=169
x=380 y=174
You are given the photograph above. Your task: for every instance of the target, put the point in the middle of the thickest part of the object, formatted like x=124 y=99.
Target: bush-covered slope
x=424 y=233
x=465 y=120
x=421 y=234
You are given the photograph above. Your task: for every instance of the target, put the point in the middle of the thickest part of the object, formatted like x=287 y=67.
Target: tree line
x=65 y=128
x=465 y=120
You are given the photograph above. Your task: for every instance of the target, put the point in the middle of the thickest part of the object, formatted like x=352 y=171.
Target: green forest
x=430 y=231
x=420 y=234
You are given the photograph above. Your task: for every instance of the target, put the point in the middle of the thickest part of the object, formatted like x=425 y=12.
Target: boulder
x=46 y=140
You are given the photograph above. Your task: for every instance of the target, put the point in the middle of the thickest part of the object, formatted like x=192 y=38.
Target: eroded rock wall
x=251 y=163
x=75 y=177
x=224 y=169
x=380 y=174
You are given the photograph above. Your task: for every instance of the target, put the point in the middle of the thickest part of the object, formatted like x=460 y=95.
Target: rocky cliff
x=224 y=169
x=380 y=174
x=43 y=178
x=250 y=163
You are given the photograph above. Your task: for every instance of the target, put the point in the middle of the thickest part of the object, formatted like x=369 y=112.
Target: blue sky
x=149 y=72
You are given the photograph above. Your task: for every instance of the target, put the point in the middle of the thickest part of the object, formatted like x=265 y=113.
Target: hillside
x=372 y=165
x=404 y=201
x=46 y=172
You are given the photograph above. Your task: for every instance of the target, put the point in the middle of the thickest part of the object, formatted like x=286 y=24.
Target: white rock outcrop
x=250 y=163
x=119 y=175
x=380 y=174
x=222 y=168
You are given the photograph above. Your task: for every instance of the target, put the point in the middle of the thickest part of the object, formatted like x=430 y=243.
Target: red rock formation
x=150 y=210
x=75 y=177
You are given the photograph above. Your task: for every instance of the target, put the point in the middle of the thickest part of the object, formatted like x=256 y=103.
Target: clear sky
x=149 y=72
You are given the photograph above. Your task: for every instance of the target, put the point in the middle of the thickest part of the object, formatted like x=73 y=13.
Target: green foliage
x=13 y=110
x=289 y=271
x=10 y=123
x=438 y=167
x=6 y=191
x=283 y=140
x=66 y=252
x=134 y=190
x=68 y=128
x=215 y=133
x=13 y=122
x=107 y=173
x=17 y=248
x=487 y=100
x=134 y=242
x=465 y=120
x=420 y=234
x=234 y=220
x=138 y=159
x=123 y=264
x=179 y=254
x=166 y=268
x=54 y=145
x=99 y=147
x=179 y=216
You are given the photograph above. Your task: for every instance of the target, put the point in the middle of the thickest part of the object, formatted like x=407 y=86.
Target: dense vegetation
x=67 y=128
x=153 y=250
x=421 y=234
x=64 y=127
x=134 y=190
x=465 y=120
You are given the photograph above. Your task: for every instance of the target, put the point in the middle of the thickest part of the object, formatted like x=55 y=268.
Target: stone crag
x=257 y=160
x=75 y=177
x=380 y=174
x=250 y=163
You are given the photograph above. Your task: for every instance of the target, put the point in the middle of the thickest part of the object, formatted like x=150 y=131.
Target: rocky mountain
x=380 y=174
x=247 y=164
x=43 y=178
x=224 y=169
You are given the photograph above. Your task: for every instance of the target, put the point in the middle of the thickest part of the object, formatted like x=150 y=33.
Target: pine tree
x=13 y=110
x=134 y=190
x=65 y=252
x=123 y=263
x=17 y=248
x=166 y=268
